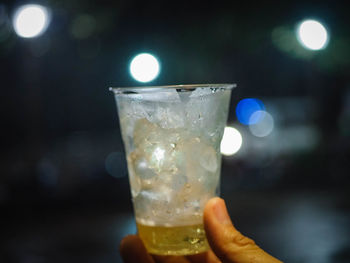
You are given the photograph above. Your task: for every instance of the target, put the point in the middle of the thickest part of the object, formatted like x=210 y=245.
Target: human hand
x=227 y=244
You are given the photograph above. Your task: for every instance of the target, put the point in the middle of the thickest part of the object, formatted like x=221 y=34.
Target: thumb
x=228 y=244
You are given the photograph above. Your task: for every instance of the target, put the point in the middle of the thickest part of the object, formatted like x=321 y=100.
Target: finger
x=207 y=257
x=132 y=250
x=227 y=243
x=170 y=259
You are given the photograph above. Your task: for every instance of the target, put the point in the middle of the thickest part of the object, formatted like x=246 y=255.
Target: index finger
x=132 y=250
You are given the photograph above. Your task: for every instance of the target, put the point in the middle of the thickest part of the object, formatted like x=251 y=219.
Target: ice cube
x=137 y=109
x=145 y=131
x=135 y=182
x=142 y=168
x=154 y=204
x=173 y=180
x=173 y=169
x=208 y=158
x=199 y=92
x=184 y=94
x=142 y=203
x=169 y=116
x=165 y=95
x=153 y=107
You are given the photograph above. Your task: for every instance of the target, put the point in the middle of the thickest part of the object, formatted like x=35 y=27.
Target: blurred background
x=64 y=192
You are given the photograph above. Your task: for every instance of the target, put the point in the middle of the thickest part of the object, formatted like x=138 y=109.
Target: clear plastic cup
x=172 y=138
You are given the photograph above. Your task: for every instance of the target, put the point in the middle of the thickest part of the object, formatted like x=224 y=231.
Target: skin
x=227 y=244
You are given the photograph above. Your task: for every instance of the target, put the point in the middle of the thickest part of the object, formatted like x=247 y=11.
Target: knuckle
x=242 y=241
x=236 y=245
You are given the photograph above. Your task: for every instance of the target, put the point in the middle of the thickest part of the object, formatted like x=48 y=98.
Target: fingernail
x=221 y=213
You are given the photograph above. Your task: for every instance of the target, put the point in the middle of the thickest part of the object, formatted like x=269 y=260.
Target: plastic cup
x=172 y=138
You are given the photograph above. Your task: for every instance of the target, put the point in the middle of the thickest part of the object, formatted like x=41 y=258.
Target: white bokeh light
x=144 y=67
x=264 y=127
x=231 y=141
x=31 y=20
x=312 y=35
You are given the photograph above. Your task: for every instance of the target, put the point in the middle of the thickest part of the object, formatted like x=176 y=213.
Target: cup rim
x=181 y=87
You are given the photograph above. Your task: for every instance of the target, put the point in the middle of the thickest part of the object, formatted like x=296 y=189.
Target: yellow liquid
x=178 y=240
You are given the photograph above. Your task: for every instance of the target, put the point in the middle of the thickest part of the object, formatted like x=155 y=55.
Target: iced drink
x=172 y=138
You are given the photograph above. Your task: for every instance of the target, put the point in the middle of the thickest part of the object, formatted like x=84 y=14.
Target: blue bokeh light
x=245 y=109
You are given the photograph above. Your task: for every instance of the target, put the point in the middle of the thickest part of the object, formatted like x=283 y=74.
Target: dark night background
x=288 y=191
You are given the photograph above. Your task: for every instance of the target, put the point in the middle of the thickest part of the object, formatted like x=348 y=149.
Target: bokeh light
x=115 y=165
x=144 y=67
x=31 y=20
x=245 y=109
x=312 y=35
x=231 y=141
x=264 y=127
x=83 y=26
